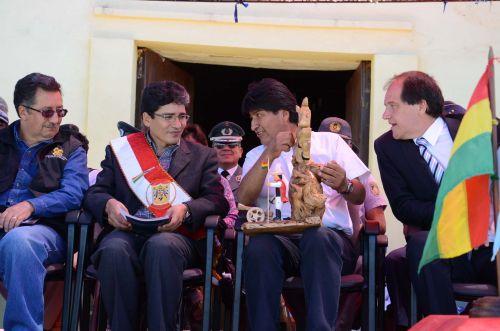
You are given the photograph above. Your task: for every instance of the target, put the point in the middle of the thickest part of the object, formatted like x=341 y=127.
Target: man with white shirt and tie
x=412 y=158
x=226 y=138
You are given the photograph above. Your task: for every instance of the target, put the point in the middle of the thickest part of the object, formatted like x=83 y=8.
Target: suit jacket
x=193 y=166
x=235 y=180
x=407 y=180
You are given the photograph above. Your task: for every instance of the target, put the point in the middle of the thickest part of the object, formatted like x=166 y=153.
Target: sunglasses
x=49 y=112
x=230 y=145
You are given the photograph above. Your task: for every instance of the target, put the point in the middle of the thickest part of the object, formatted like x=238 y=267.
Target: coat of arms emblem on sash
x=161 y=194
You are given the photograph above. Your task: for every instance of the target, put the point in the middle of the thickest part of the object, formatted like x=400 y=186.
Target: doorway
x=217 y=91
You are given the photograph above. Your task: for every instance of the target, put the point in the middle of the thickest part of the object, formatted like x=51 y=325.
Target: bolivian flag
x=462 y=212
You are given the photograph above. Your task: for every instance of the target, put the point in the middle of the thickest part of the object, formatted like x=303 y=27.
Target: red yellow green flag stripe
x=462 y=212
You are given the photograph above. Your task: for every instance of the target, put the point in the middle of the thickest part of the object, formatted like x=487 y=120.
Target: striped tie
x=435 y=166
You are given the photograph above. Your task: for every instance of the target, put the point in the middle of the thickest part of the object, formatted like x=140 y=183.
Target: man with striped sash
x=150 y=175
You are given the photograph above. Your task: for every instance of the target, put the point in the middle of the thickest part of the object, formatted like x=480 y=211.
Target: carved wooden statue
x=305 y=191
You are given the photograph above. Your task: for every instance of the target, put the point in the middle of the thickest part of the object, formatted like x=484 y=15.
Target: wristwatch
x=188 y=214
x=349 y=189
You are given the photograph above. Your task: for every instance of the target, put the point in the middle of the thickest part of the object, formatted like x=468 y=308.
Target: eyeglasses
x=230 y=145
x=172 y=117
x=49 y=112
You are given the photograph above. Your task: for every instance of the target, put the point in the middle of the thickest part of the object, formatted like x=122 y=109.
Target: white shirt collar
x=231 y=171
x=433 y=132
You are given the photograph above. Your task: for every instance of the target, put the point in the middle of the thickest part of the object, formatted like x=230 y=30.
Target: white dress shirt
x=231 y=171
x=439 y=142
x=440 y=145
x=325 y=146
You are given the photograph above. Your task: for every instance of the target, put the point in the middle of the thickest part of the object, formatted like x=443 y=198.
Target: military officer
x=226 y=138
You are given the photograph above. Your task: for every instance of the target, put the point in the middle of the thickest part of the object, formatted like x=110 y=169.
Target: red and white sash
x=152 y=185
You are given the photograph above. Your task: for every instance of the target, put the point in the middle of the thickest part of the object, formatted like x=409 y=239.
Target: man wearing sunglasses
x=43 y=175
x=226 y=138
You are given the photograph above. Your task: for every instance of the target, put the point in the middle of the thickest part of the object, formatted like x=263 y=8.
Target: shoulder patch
x=57 y=152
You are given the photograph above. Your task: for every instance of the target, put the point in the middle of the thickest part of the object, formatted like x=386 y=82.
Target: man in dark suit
x=226 y=138
x=122 y=255
x=412 y=157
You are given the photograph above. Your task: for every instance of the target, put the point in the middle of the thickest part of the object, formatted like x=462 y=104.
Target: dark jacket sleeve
x=211 y=200
x=104 y=189
x=405 y=206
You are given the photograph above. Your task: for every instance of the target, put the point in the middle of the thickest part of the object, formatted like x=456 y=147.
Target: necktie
x=435 y=167
x=224 y=173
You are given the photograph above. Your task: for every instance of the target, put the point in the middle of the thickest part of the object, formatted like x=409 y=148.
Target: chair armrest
x=382 y=240
x=72 y=217
x=78 y=217
x=211 y=221
x=85 y=218
x=372 y=227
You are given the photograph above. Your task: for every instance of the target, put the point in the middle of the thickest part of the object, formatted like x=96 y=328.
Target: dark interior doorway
x=217 y=91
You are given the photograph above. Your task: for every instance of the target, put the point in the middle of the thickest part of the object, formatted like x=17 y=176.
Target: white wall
x=51 y=37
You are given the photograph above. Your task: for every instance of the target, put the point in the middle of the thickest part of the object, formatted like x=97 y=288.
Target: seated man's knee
x=320 y=238
x=19 y=242
x=166 y=244
x=396 y=257
x=114 y=250
x=261 y=247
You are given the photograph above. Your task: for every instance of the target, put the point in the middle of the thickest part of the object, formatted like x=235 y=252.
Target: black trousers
x=319 y=256
x=434 y=284
x=124 y=260
x=397 y=275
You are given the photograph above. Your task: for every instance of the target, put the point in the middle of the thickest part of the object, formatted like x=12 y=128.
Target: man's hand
x=283 y=142
x=176 y=214
x=114 y=210
x=13 y=216
x=333 y=175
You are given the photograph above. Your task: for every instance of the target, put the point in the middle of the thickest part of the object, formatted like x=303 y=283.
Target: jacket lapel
x=416 y=163
x=235 y=179
x=181 y=159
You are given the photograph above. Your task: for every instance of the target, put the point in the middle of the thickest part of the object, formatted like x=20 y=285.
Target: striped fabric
x=436 y=168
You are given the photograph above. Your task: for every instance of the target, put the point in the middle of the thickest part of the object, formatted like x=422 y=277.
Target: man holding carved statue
x=145 y=176
x=320 y=173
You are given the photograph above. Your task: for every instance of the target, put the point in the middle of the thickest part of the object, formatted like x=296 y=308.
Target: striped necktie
x=224 y=173
x=436 y=168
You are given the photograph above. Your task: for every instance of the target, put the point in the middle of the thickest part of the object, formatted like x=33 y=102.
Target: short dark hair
x=196 y=132
x=418 y=86
x=162 y=93
x=270 y=95
x=26 y=87
x=67 y=130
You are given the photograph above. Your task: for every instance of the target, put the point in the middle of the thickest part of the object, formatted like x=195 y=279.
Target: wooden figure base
x=278 y=227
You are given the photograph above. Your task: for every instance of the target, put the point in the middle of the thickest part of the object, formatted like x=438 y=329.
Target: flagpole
x=491 y=90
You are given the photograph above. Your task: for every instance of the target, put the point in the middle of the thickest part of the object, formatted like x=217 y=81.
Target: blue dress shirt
x=73 y=185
